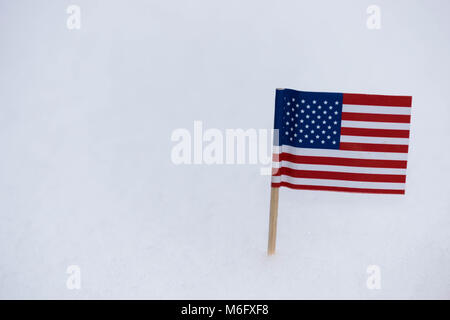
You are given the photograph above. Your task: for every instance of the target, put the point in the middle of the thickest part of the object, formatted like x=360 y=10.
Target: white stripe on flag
x=320 y=167
x=358 y=139
x=374 y=125
x=339 y=183
x=340 y=153
x=375 y=109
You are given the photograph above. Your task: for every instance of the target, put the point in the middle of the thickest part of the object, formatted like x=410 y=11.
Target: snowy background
x=86 y=176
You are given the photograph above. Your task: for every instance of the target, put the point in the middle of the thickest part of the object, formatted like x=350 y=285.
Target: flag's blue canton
x=308 y=119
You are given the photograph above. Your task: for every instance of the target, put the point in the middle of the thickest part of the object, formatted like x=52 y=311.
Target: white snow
x=86 y=176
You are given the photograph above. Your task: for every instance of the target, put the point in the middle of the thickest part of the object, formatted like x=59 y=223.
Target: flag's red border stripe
x=341 y=189
x=347 y=176
x=365 y=132
x=377 y=100
x=335 y=161
x=375 y=117
x=377 y=147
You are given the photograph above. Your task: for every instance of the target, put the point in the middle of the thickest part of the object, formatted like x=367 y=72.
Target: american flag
x=341 y=141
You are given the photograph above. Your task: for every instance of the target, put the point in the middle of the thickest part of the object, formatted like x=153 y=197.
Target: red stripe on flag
x=342 y=189
x=334 y=161
x=375 y=132
x=378 y=147
x=347 y=176
x=374 y=117
x=377 y=100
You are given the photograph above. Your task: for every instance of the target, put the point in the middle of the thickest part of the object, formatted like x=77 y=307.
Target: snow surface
x=86 y=176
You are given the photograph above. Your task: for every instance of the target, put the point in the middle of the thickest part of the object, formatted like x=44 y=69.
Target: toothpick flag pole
x=274 y=192
x=273 y=220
